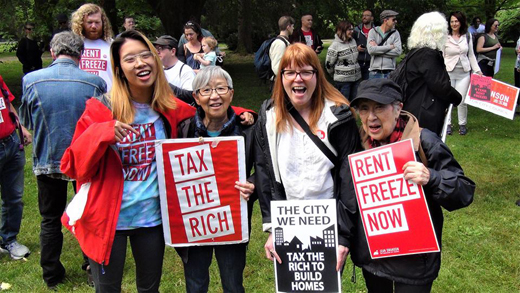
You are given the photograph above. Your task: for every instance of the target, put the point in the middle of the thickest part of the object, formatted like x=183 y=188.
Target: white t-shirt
x=182 y=79
x=304 y=168
x=96 y=60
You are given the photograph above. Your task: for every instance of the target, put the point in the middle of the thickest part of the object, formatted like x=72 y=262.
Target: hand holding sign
x=416 y=172
x=270 y=253
x=246 y=189
x=342 y=256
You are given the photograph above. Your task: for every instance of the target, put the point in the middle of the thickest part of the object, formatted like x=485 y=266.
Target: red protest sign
x=199 y=202
x=394 y=211
x=492 y=95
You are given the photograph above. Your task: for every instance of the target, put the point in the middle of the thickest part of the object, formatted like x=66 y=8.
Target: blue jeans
x=231 y=261
x=12 y=161
x=348 y=89
x=378 y=74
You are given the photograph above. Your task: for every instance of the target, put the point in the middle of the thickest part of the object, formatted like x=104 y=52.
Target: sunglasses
x=29 y=28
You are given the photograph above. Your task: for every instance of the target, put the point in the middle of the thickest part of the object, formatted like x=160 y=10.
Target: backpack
x=263 y=61
x=399 y=74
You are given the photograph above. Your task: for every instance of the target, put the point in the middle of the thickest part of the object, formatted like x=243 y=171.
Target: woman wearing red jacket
x=112 y=156
x=113 y=149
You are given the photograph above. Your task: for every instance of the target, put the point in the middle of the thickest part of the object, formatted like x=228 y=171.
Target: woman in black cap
x=379 y=105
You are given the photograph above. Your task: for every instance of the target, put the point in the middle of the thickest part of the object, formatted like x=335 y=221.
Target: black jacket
x=30 y=55
x=343 y=136
x=429 y=91
x=448 y=188
x=298 y=37
x=361 y=39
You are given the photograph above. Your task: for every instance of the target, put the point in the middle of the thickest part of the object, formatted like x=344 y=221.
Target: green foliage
x=509 y=24
x=146 y=20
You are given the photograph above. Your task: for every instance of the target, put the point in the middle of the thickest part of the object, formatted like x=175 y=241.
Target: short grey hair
x=206 y=74
x=67 y=43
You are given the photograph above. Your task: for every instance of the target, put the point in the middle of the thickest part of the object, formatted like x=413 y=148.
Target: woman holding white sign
x=213 y=93
x=379 y=104
x=289 y=164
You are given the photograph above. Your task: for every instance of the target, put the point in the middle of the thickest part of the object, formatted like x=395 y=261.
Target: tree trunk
x=489 y=9
x=245 y=43
x=111 y=11
x=175 y=13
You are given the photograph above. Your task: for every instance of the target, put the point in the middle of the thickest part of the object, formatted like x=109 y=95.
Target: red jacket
x=91 y=157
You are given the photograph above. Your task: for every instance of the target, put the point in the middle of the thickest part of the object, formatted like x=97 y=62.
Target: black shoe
x=54 y=285
x=448 y=131
x=518 y=202
x=463 y=130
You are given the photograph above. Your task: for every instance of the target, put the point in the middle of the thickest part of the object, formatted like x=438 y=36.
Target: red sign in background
x=214 y=212
x=394 y=211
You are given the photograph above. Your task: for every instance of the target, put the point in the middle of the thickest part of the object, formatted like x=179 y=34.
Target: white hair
x=430 y=30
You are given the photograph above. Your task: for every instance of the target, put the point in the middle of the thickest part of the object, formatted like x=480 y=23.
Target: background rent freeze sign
x=199 y=203
x=395 y=216
x=492 y=95
x=305 y=238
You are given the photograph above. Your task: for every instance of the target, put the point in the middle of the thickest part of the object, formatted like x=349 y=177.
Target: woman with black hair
x=487 y=47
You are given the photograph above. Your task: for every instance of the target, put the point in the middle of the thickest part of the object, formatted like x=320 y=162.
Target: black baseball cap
x=167 y=41
x=381 y=90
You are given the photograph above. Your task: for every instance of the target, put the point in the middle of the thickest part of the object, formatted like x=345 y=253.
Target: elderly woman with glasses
x=288 y=164
x=379 y=105
x=213 y=93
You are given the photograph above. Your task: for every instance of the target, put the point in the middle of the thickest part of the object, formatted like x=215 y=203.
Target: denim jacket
x=53 y=100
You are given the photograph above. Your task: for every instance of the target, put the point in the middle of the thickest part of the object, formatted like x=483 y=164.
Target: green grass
x=480 y=243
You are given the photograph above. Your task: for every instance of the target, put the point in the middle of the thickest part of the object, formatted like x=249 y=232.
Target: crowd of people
x=102 y=94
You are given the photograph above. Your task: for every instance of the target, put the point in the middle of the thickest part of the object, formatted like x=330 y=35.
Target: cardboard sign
x=394 y=211
x=306 y=239
x=199 y=202
x=492 y=95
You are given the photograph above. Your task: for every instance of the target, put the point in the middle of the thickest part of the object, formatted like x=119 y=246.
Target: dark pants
x=12 y=161
x=148 y=251
x=517 y=83
x=487 y=70
x=52 y=198
x=231 y=261
x=365 y=73
x=377 y=284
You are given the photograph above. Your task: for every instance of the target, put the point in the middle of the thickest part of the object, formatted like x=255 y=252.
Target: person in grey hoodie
x=341 y=62
x=384 y=45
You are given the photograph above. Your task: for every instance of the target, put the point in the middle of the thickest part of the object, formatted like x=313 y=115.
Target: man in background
x=361 y=36
x=91 y=23
x=307 y=35
x=53 y=100
x=384 y=45
x=179 y=75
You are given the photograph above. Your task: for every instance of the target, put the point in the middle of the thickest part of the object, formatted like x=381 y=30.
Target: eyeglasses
x=160 y=48
x=131 y=59
x=304 y=74
x=377 y=109
x=350 y=29
x=221 y=90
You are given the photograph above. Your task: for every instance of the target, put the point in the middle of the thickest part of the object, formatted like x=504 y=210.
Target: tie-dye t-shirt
x=140 y=205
